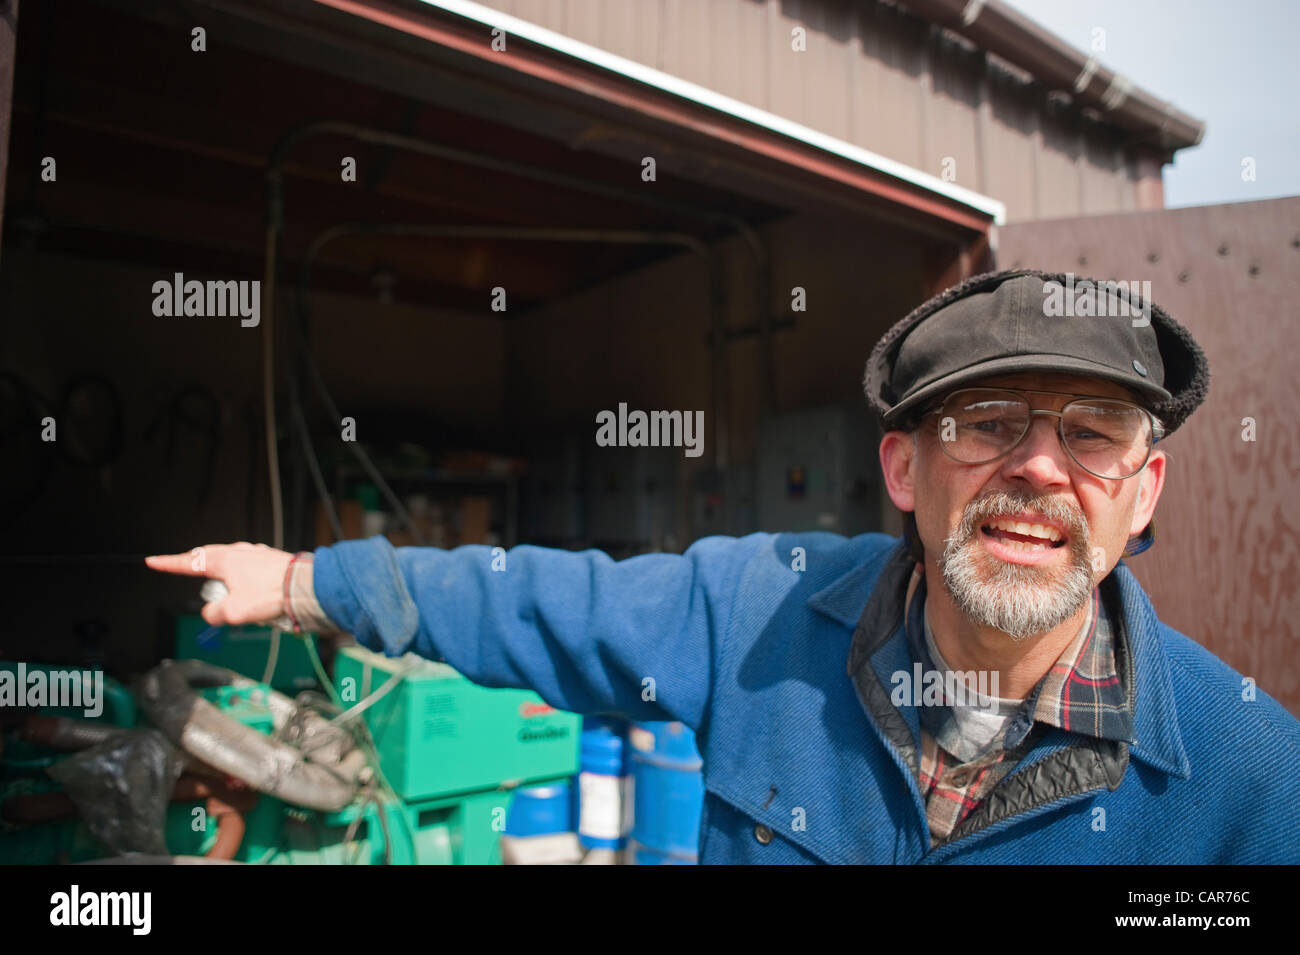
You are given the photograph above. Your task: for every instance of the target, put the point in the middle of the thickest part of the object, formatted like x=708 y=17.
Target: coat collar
x=1158 y=738
x=843 y=599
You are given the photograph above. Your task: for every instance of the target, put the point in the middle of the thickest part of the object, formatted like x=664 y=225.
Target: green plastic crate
x=438 y=734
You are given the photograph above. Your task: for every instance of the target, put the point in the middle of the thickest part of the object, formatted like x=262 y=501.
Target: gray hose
x=67 y=735
x=269 y=764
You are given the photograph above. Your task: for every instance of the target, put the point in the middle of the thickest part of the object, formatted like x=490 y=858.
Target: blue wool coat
x=748 y=641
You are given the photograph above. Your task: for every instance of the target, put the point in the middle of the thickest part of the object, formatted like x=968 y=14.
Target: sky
x=1233 y=65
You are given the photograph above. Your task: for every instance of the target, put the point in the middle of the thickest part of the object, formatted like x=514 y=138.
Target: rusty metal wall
x=1226 y=562
x=881 y=78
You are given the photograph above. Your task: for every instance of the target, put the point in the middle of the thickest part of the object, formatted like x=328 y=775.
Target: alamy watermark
x=77 y=908
x=651 y=429
x=920 y=687
x=47 y=687
x=1098 y=299
x=211 y=299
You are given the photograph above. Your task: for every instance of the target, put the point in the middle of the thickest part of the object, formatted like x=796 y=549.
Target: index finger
x=199 y=562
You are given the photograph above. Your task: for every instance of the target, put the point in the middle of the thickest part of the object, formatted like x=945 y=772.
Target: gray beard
x=1020 y=600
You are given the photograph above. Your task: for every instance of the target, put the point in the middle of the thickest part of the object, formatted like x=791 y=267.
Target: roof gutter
x=967 y=208
x=993 y=26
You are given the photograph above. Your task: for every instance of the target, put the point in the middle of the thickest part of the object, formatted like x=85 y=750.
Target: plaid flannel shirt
x=1080 y=693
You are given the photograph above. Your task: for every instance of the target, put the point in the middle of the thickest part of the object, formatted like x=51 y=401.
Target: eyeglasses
x=1107 y=437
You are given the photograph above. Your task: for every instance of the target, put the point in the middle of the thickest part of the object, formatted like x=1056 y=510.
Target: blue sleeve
x=588 y=634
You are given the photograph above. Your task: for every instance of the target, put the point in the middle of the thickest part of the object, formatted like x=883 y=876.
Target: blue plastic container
x=601 y=798
x=644 y=856
x=668 y=779
x=540 y=811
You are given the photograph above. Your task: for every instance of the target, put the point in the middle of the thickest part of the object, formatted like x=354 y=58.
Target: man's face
x=1023 y=580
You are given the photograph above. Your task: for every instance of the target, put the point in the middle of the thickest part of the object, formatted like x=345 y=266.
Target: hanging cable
x=363 y=458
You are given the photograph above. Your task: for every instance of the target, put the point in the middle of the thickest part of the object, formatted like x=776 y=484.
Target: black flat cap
x=1024 y=320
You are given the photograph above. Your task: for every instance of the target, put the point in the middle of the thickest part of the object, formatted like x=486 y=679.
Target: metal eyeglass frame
x=1060 y=418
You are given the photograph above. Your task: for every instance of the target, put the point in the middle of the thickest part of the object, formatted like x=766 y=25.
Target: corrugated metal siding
x=873 y=76
x=889 y=114
x=1060 y=189
x=1227 y=553
x=950 y=114
x=1011 y=135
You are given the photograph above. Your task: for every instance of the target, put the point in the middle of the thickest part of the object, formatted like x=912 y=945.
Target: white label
x=601 y=813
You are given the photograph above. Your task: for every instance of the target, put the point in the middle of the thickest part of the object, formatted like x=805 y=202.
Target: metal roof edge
x=998 y=28
x=711 y=99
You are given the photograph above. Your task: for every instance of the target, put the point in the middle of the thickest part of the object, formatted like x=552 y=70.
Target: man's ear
x=897 y=463
x=1152 y=482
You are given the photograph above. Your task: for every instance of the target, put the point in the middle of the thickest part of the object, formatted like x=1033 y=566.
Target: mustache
x=1019 y=601
x=1054 y=507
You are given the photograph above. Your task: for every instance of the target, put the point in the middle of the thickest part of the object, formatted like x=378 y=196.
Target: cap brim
x=1063 y=364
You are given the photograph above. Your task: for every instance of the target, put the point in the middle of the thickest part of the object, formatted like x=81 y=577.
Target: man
x=994 y=688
